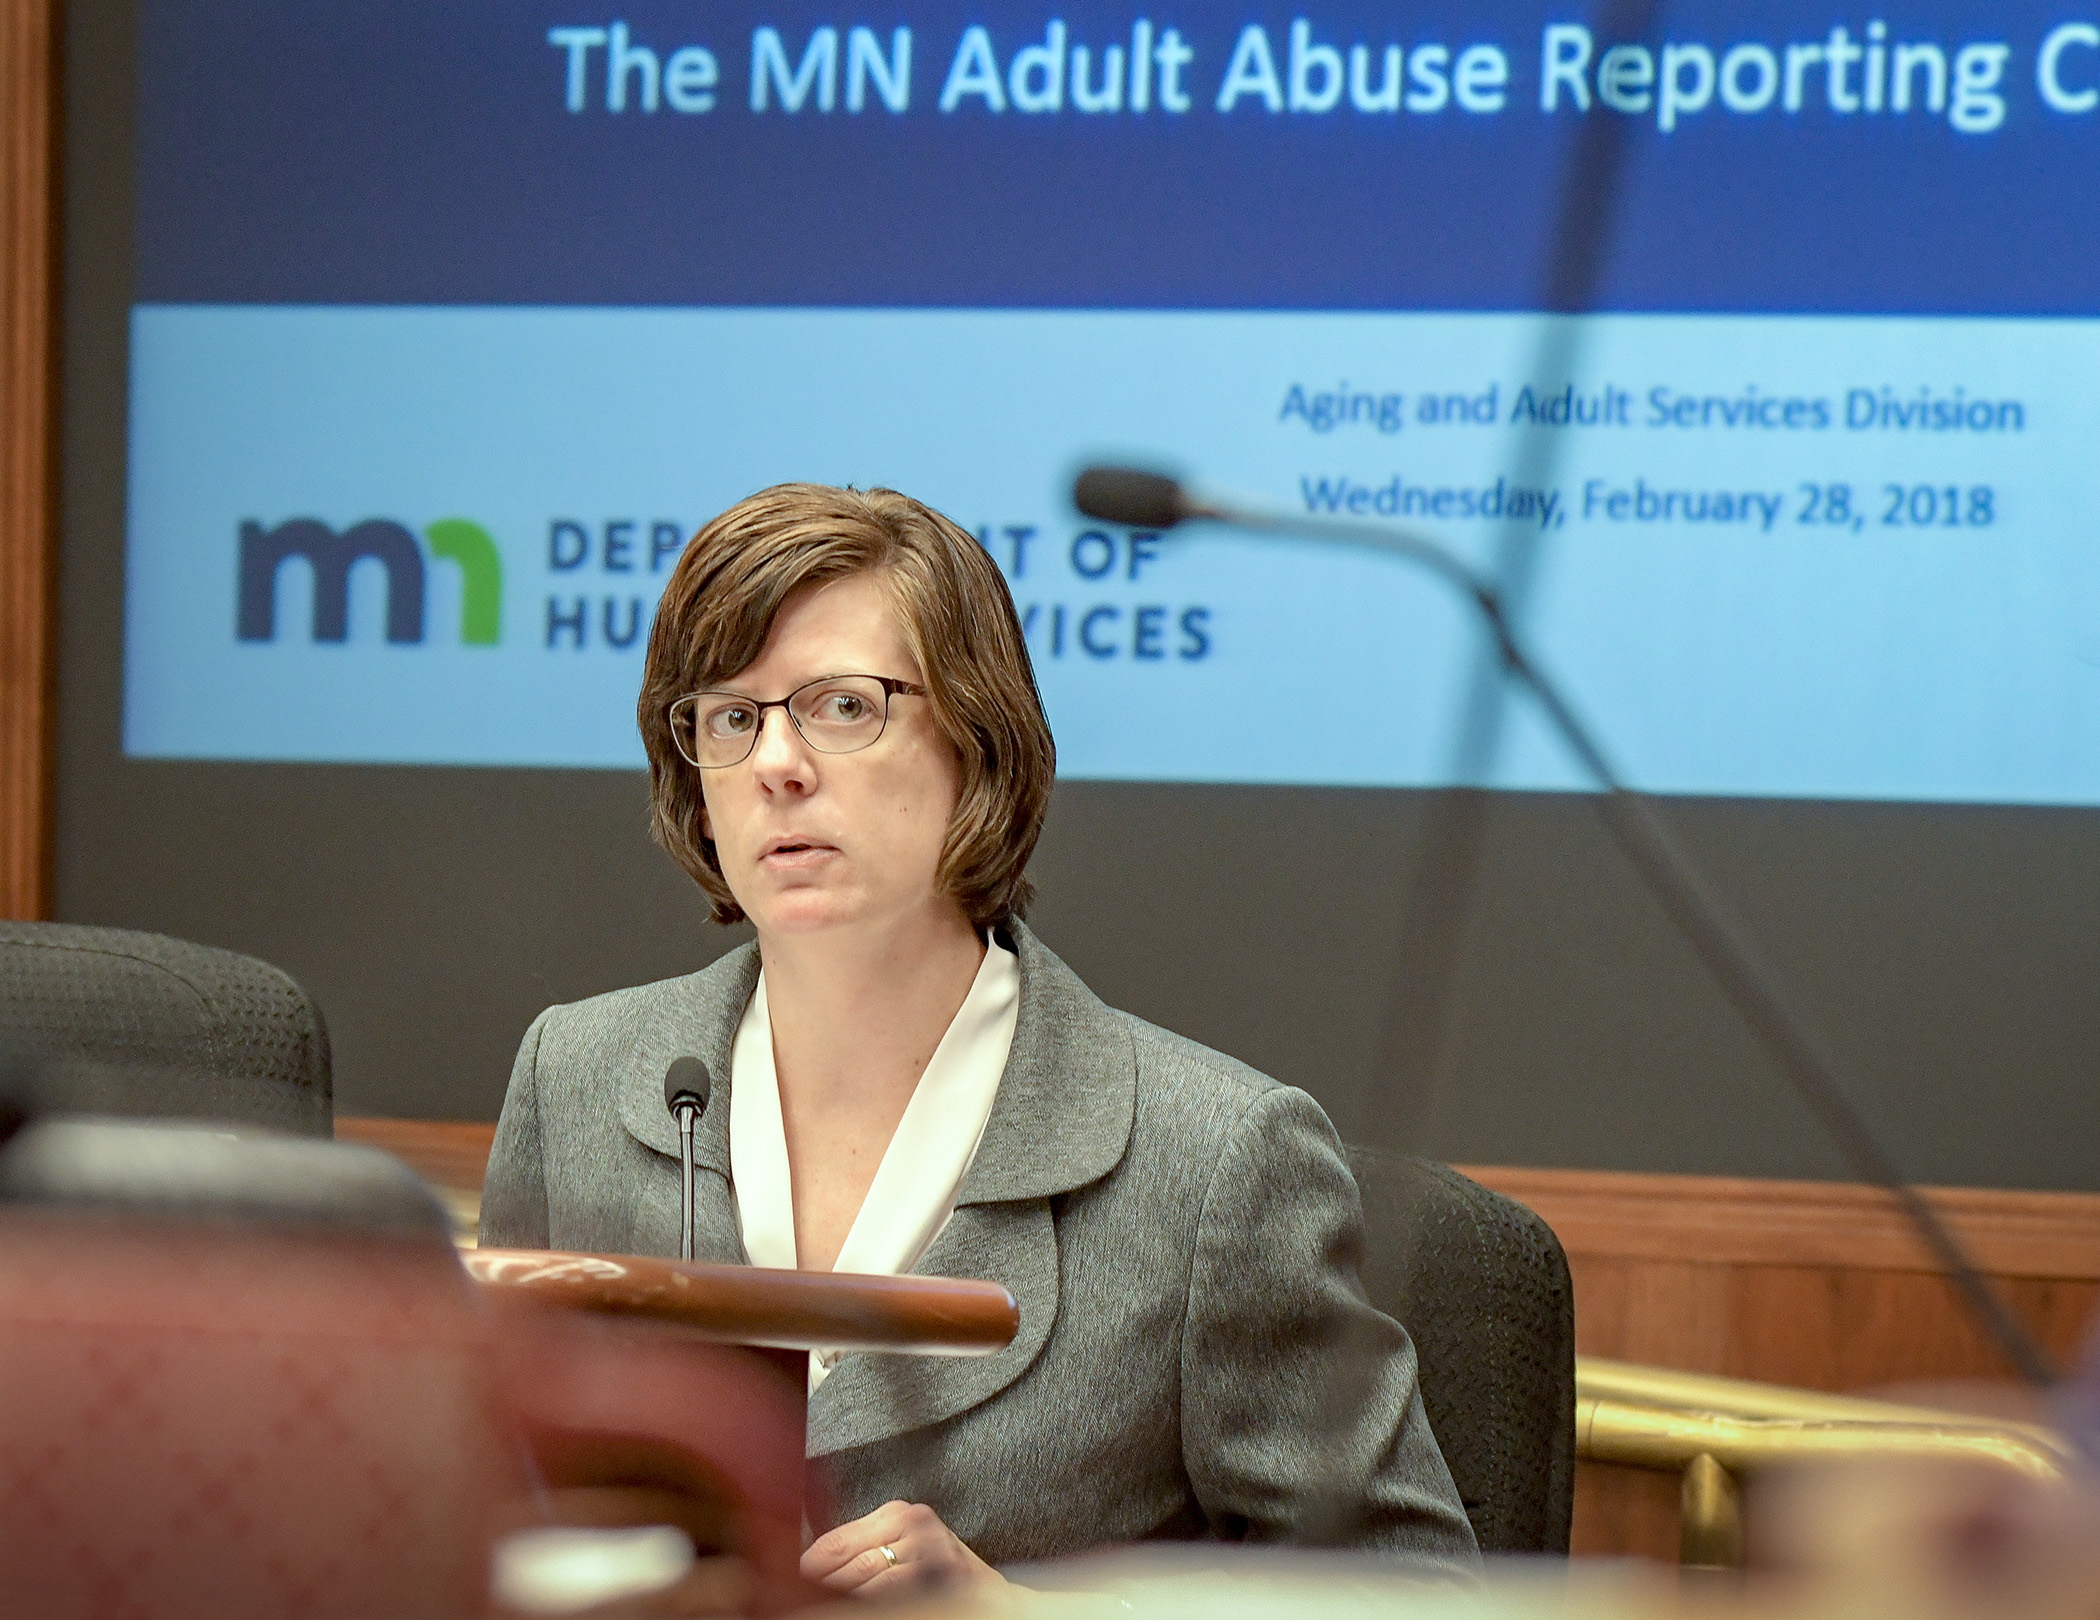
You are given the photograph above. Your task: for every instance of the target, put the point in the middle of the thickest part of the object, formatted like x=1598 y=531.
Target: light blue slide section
x=1727 y=623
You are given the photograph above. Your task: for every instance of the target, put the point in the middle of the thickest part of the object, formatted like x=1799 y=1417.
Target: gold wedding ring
x=889 y=1553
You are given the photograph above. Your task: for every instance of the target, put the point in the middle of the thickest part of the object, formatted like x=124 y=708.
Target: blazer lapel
x=697 y=1018
x=1062 y=1120
x=1063 y=1114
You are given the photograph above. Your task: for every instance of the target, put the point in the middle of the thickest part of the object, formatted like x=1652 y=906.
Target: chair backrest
x=119 y=1022
x=1481 y=1285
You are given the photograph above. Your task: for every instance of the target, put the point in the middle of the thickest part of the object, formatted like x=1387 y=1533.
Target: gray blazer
x=1181 y=1234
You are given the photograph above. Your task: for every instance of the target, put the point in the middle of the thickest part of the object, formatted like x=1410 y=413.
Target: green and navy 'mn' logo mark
x=331 y=556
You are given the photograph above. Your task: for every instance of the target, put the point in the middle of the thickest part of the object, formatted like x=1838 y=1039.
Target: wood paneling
x=1807 y=1283
x=448 y=1154
x=1817 y=1285
x=28 y=442
x=1716 y=1219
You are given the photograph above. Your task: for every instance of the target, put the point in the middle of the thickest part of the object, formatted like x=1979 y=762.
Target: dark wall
x=1950 y=952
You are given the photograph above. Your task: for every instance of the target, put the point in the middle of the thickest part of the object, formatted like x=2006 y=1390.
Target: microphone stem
x=1698 y=913
x=685 y=1181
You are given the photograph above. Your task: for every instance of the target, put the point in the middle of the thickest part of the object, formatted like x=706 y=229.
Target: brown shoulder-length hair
x=958 y=619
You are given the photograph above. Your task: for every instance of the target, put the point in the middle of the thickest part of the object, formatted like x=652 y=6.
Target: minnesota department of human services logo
x=265 y=551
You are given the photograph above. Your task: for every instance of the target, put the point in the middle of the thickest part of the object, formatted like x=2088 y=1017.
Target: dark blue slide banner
x=1787 y=158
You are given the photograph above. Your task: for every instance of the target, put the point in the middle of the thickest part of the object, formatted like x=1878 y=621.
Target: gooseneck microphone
x=1148 y=500
x=686 y=1090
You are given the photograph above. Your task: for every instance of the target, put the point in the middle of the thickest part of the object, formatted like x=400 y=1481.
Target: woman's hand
x=922 y=1552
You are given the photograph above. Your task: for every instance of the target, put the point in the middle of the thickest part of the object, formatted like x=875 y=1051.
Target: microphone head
x=1131 y=497
x=686 y=1084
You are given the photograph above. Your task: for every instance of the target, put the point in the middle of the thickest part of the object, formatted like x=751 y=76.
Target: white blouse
x=913 y=1192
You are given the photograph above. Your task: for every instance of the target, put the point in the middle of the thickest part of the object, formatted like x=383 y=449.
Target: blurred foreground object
x=249 y=1378
x=158 y=1173
x=240 y=1423
x=562 y=1569
x=1715 y=1431
x=1912 y=1544
x=752 y=1305
x=1221 y=1581
x=1947 y=1538
x=138 y=1024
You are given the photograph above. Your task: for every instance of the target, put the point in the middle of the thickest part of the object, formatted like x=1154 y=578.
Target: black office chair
x=1481 y=1285
x=116 y=1022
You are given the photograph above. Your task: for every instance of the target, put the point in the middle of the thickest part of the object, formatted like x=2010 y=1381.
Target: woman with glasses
x=846 y=749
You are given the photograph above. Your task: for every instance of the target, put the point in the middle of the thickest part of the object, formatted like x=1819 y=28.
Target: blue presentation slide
x=453 y=323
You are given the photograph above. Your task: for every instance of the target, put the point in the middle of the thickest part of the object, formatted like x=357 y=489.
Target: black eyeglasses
x=837 y=714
